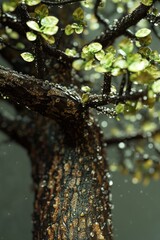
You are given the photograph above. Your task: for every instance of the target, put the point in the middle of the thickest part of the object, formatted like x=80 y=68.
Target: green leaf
x=141 y=33
x=32 y=2
x=108 y=60
x=100 y=69
x=27 y=56
x=138 y=65
x=146 y=76
x=126 y=45
x=33 y=25
x=156 y=87
x=31 y=36
x=48 y=38
x=100 y=55
x=49 y=30
x=9 y=7
x=89 y=65
x=120 y=63
x=69 y=30
x=120 y=108
x=79 y=29
x=70 y=52
x=85 y=97
x=147 y=2
x=116 y=71
x=78 y=14
x=85 y=89
x=49 y=21
x=78 y=64
x=94 y=47
x=42 y=11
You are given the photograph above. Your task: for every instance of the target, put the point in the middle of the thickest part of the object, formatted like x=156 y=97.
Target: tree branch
x=60 y=3
x=50 y=100
x=98 y=16
x=122 y=25
x=97 y=100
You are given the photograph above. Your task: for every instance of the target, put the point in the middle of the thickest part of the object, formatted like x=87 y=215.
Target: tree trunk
x=71 y=183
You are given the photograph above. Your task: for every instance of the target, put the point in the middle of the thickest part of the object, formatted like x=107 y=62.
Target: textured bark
x=51 y=100
x=71 y=183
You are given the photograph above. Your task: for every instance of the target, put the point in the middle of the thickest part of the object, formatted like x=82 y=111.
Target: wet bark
x=71 y=180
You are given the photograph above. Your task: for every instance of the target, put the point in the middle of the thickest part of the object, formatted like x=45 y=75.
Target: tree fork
x=72 y=196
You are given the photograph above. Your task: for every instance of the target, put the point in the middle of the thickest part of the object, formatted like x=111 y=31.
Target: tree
x=59 y=77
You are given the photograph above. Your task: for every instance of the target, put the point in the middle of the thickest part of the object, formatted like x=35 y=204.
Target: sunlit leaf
x=126 y=45
x=141 y=33
x=27 y=56
x=119 y=108
x=31 y=36
x=156 y=86
x=33 y=25
x=32 y=2
x=94 y=47
x=78 y=64
x=85 y=89
x=48 y=38
x=69 y=30
x=49 y=21
x=70 y=52
x=138 y=65
x=49 y=30
x=79 y=29
x=100 y=55
x=85 y=97
x=147 y=2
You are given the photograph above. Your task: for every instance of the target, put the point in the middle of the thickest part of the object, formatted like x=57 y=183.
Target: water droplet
x=121 y=145
x=92 y=234
x=43 y=183
x=110 y=183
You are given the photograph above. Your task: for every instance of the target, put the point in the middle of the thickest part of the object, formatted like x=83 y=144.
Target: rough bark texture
x=71 y=183
x=51 y=100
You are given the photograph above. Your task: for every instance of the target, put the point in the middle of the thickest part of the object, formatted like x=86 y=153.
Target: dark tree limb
x=48 y=99
x=60 y=3
x=98 y=100
x=122 y=25
x=107 y=84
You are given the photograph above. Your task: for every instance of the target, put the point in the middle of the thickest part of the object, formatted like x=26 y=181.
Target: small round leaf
x=31 y=36
x=147 y=2
x=33 y=25
x=32 y=2
x=141 y=33
x=27 y=56
x=49 y=21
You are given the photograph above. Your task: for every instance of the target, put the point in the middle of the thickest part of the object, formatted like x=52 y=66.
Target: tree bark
x=72 y=196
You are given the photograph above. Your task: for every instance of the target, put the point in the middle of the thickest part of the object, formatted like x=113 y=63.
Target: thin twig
x=97 y=100
x=60 y=3
x=99 y=17
x=122 y=25
x=107 y=84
